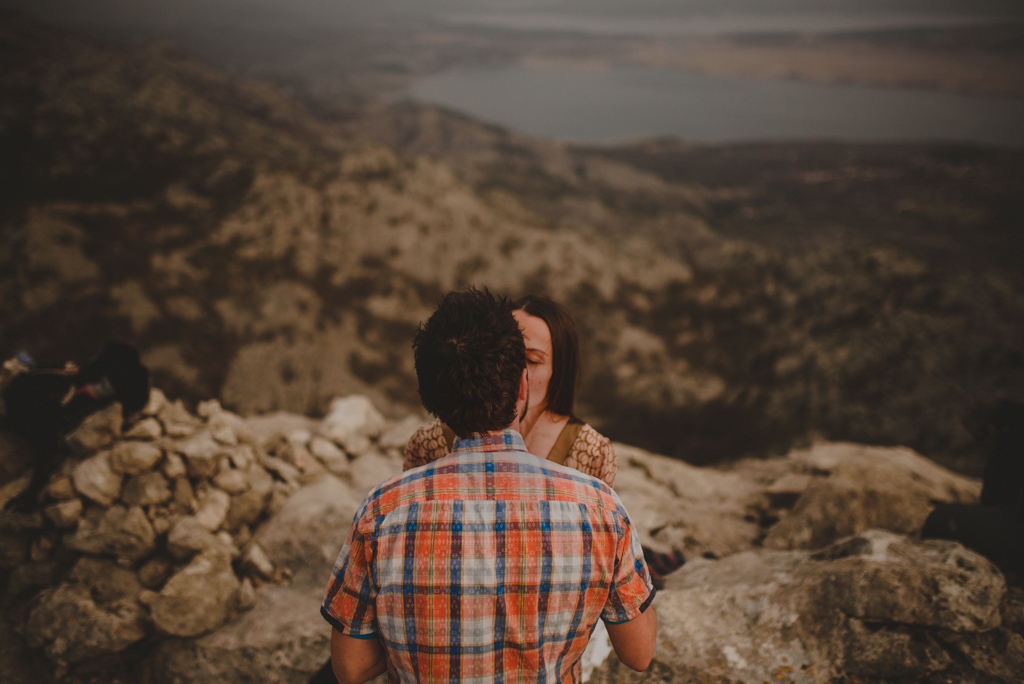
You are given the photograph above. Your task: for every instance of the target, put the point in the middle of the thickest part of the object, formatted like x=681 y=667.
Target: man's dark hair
x=565 y=352
x=469 y=359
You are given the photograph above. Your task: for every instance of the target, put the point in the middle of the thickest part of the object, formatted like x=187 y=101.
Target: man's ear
x=524 y=384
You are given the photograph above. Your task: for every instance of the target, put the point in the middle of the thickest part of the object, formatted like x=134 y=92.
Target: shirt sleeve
x=350 y=601
x=632 y=590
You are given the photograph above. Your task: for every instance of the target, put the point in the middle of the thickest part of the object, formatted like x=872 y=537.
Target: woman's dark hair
x=469 y=359
x=565 y=351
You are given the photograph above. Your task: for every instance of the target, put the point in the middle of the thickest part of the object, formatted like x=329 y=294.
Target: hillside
x=275 y=257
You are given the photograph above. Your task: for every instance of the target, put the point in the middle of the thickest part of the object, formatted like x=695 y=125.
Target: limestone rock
x=132 y=458
x=372 y=468
x=61 y=488
x=282 y=640
x=328 y=454
x=213 y=508
x=177 y=421
x=173 y=466
x=399 y=433
x=95 y=479
x=118 y=531
x=256 y=563
x=865 y=488
x=351 y=421
x=146 y=429
x=156 y=403
x=97 y=431
x=202 y=453
x=247 y=507
x=198 y=598
x=71 y=625
x=307 y=534
x=188 y=536
x=876 y=607
x=64 y=514
x=146 y=490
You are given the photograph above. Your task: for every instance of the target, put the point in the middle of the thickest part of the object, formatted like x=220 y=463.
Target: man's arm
x=355 y=661
x=633 y=641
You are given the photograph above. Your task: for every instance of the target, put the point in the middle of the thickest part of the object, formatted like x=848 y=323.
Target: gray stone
x=13 y=548
x=155 y=572
x=266 y=427
x=108 y=581
x=246 y=595
x=133 y=458
x=329 y=454
x=197 y=599
x=98 y=431
x=95 y=479
x=351 y=421
x=307 y=534
x=282 y=640
x=13 y=489
x=32 y=576
x=61 y=488
x=184 y=496
x=230 y=479
x=372 y=468
x=118 y=531
x=156 y=403
x=146 y=490
x=399 y=433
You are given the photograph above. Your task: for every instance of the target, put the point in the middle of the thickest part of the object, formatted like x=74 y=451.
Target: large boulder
x=877 y=607
x=308 y=532
x=197 y=599
x=856 y=488
x=282 y=640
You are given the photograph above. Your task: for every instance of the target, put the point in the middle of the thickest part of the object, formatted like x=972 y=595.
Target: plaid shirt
x=489 y=565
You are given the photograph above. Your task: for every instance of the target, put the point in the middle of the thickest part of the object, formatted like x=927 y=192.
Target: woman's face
x=538 y=356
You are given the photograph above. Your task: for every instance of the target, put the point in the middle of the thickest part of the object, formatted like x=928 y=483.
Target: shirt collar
x=506 y=440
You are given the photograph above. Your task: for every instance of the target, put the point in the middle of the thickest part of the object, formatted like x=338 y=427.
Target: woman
x=550 y=427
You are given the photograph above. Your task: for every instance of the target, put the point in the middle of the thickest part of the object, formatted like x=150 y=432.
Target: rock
x=256 y=563
x=97 y=431
x=156 y=403
x=351 y=421
x=231 y=480
x=13 y=548
x=286 y=472
x=246 y=595
x=282 y=640
x=95 y=479
x=307 y=534
x=247 y=507
x=146 y=429
x=108 y=581
x=184 y=497
x=865 y=488
x=64 y=514
x=213 y=508
x=61 y=488
x=13 y=489
x=372 y=468
x=133 y=458
x=202 y=453
x=268 y=426
x=32 y=577
x=328 y=454
x=679 y=507
x=72 y=626
x=146 y=490
x=118 y=531
x=398 y=434
x=155 y=572
x=177 y=421
x=174 y=466
x=875 y=607
x=188 y=536
x=198 y=598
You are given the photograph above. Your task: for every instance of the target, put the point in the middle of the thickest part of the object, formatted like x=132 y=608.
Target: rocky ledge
x=194 y=547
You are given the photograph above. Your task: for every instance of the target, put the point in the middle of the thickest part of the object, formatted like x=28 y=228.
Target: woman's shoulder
x=587 y=435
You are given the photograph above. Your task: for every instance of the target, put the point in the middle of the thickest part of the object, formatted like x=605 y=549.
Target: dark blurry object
x=44 y=404
x=995 y=527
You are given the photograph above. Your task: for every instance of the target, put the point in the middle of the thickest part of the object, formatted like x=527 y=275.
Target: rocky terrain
x=182 y=547
x=268 y=252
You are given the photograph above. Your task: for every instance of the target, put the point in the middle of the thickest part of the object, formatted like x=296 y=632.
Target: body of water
x=625 y=103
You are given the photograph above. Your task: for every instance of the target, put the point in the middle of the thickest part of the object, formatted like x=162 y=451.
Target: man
x=490 y=564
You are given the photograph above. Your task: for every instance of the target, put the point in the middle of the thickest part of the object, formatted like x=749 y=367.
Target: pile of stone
x=151 y=529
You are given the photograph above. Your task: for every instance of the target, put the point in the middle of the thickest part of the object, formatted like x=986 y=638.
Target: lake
x=625 y=103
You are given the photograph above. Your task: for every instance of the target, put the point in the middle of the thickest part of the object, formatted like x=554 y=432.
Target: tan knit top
x=578 y=446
